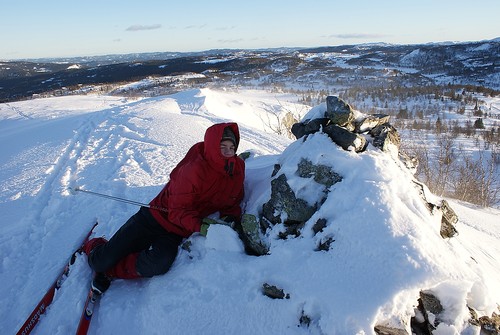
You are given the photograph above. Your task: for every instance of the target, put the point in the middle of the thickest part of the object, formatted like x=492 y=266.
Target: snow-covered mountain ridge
x=387 y=245
x=366 y=65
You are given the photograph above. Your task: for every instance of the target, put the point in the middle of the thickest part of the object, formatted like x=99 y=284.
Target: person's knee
x=150 y=269
x=158 y=259
x=98 y=260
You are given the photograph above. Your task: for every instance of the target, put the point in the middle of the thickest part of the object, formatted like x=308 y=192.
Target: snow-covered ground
x=387 y=244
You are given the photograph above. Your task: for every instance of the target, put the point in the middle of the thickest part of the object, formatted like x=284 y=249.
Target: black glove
x=228 y=218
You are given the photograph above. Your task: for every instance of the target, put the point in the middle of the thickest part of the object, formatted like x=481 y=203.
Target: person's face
x=227 y=148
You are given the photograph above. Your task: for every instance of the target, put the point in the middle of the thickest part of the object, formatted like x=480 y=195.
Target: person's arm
x=182 y=198
x=234 y=209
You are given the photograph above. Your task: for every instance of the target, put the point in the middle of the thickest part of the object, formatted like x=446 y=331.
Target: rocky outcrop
x=249 y=233
x=430 y=313
x=449 y=218
x=351 y=129
x=284 y=207
x=433 y=313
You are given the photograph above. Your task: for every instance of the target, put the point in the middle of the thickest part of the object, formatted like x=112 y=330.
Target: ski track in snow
x=95 y=135
x=43 y=224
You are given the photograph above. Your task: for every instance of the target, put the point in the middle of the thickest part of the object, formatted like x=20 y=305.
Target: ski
x=93 y=298
x=41 y=307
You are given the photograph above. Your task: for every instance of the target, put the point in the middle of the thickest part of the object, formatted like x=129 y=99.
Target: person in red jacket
x=209 y=179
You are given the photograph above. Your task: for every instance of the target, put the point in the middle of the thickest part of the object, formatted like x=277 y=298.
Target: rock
x=313 y=126
x=384 y=330
x=324 y=245
x=250 y=236
x=319 y=226
x=274 y=292
x=276 y=169
x=321 y=174
x=346 y=139
x=430 y=307
x=490 y=325
x=339 y=112
x=448 y=220
x=291 y=228
x=370 y=122
x=386 y=137
x=298 y=130
x=430 y=302
x=305 y=320
x=411 y=162
x=284 y=202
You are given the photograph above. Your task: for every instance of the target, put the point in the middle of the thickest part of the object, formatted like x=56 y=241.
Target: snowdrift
x=386 y=243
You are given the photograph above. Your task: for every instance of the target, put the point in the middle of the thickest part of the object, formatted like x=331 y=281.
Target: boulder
x=346 y=139
x=386 y=138
x=370 y=122
x=339 y=112
x=250 y=235
x=321 y=174
x=301 y=129
x=284 y=204
x=448 y=220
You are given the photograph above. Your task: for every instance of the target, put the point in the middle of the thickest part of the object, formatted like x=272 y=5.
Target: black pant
x=142 y=234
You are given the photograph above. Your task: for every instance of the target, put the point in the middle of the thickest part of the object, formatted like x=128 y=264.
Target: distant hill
x=378 y=65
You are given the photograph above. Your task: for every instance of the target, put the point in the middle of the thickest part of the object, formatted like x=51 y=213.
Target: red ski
x=40 y=309
x=88 y=311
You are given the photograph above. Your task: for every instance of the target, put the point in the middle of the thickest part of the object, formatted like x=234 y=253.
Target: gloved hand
x=204 y=229
x=229 y=220
x=205 y=223
x=209 y=221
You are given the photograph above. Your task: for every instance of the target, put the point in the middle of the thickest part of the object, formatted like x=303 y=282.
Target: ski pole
x=127 y=201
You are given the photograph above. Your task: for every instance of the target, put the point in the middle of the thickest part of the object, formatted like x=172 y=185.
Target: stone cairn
x=352 y=131
x=346 y=127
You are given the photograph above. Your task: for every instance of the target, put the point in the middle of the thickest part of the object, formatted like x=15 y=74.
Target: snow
x=387 y=245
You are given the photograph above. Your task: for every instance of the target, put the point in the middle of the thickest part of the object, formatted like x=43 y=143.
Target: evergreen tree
x=478 y=124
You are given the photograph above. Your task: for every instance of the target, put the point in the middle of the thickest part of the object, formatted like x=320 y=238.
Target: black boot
x=100 y=283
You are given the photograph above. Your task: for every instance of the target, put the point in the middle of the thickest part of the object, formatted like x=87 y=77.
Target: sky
x=55 y=28
x=386 y=243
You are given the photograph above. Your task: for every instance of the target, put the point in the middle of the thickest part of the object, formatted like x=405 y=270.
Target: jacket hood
x=213 y=137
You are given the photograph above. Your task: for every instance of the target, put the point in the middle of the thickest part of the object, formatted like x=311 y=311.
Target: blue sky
x=56 y=28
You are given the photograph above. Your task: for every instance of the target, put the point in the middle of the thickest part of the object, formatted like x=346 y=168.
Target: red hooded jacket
x=204 y=182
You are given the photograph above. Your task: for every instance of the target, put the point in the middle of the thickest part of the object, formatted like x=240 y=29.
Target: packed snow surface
x=386 y=249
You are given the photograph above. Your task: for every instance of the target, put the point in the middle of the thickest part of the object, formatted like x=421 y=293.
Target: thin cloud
x=139 y=27
x=201 y=26
x=355 y=36
x=237 y=40
x=226 y=28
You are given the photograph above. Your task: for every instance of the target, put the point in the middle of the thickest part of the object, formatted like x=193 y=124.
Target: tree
x=402 y=114
x=478 y=124
x=477 y=180
x=439 y=125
